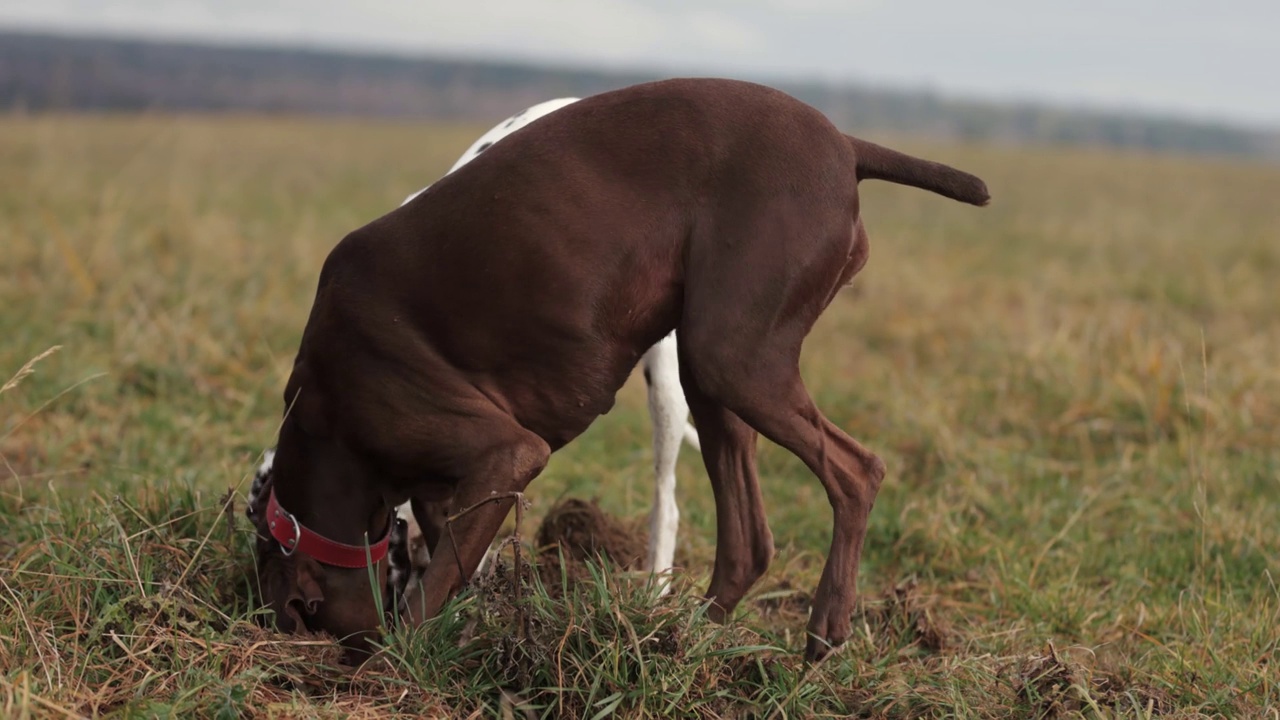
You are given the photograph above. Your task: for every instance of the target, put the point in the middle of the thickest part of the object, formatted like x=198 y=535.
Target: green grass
x=1076 y=392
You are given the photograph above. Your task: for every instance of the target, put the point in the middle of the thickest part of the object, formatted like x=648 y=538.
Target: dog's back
x=566 y=250
x=553 y=241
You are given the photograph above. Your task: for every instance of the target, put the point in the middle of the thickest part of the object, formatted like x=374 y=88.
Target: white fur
x=669 y=411
x=667 y=405
x=501 y=130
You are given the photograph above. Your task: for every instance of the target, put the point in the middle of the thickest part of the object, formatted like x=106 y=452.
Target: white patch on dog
x=501 y=130
x=260 y=477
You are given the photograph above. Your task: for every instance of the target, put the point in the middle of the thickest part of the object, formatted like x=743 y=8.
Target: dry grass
x=1076 y=391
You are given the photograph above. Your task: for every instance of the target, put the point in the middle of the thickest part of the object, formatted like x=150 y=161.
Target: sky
x=1194 y=58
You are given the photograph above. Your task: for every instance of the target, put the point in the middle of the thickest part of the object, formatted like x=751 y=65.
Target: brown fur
x=458 y=341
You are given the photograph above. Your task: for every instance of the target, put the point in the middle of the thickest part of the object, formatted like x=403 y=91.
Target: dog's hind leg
x=744 y=543
x=851 y=476
x=746 y=315
x=669 y=411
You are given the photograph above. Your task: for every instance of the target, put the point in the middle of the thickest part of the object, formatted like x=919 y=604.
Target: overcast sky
x=1217 y=60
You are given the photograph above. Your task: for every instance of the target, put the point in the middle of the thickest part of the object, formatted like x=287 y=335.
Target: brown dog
x=458 y=341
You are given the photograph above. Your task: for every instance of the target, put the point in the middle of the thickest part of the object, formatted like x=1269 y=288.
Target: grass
x=1076 y=392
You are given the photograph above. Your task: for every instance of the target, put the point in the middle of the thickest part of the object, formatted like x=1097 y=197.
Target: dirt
x=578 y=530
x=1056 y=685
x=1051 y=683
x=1119 y=690
x=904 y=617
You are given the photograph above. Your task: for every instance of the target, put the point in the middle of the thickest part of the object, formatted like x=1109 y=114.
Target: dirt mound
x=579 y=531
x=903 y=617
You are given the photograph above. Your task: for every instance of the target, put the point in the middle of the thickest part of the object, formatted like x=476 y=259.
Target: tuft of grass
x=1075 y=391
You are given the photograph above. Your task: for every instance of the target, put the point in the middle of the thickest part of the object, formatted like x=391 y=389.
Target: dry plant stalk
x=514 y=541
x=27 y=369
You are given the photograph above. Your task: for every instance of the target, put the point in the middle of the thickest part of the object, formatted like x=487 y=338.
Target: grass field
x=1076 y=391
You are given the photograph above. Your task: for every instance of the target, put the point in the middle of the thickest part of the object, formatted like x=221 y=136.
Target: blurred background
x=1182 y=75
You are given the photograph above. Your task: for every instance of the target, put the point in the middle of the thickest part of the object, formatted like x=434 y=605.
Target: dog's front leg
x=484 y=496
x=430 y=515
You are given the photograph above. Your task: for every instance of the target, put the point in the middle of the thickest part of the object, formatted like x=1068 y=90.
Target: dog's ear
x=304 y=402
x=292 y=589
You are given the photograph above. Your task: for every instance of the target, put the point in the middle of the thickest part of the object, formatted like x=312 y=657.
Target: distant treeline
x=40 y=73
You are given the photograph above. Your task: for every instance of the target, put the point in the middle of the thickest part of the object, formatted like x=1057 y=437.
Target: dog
x=667 y=407
x=457 y=341
x=409 y=554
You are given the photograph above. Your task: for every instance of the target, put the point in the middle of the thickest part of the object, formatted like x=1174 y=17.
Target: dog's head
x=296 y=586
x=289 y=584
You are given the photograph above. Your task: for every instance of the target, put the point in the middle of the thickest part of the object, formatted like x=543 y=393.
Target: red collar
x=294 y=537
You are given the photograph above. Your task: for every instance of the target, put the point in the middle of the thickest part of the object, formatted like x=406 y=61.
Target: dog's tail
x=876 y=162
